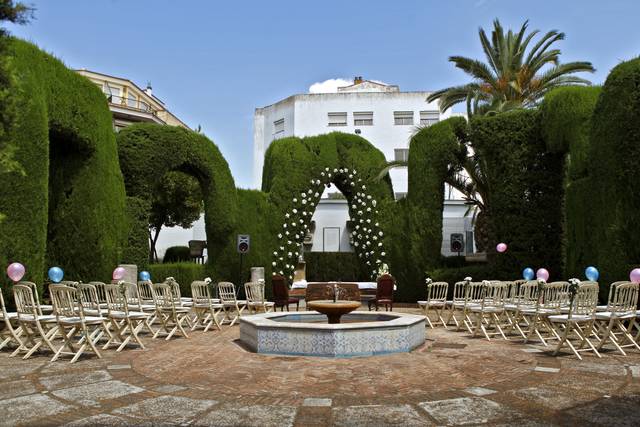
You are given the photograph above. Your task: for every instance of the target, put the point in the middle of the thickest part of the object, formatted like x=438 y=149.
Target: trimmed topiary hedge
x=148 y=151
x=342 y=266
x=524 y=204
x=136 y=250
x=183 y=272
x=610 y=199
x=175 y=254
x=69 y=207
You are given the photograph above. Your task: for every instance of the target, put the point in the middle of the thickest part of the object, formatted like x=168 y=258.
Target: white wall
x=331 y=213
x=178 y=236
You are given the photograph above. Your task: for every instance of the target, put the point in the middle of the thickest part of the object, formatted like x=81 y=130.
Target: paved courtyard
x=209 y=379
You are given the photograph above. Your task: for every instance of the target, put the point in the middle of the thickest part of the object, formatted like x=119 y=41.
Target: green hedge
x=148 y=151
x=611 y=199
x=175 y=254
x=136 y=251
x=524 y=204
x=327 y=266
x=69 y=207
x=183 y=272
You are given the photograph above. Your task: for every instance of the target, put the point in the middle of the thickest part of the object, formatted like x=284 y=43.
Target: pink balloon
x=502 y=247
x=635 y=275
x=543 y=274
x=15 y=271
x=118 y=273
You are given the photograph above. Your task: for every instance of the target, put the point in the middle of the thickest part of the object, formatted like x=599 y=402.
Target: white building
x=381 y=114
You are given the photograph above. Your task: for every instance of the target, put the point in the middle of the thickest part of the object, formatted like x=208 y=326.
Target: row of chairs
x=558 y=311
x=83 y=314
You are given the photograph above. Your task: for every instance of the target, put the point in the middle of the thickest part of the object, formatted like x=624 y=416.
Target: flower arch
x=366 y=236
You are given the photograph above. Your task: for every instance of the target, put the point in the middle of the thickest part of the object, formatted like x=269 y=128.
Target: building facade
x=381 y=114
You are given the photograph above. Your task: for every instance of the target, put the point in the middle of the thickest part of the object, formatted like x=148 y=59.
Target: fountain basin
x=334 y=310
x=306 y=334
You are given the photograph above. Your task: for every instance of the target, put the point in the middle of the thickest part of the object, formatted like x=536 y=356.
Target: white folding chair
x=525 y=298
x=206 y=308
x=73 y=323
x=551 y=297
x=38 y=330
x=621 y=308
x=490 y=310
x=456 y=303
x=579 y=321
x=472 y=298
x=255 y=298
x=436 y=302
x=126 y=323
x=10 y=332
x=169 y=311
x=233 y=307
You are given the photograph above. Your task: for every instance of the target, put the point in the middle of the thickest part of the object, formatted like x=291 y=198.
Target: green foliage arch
x=66 y=146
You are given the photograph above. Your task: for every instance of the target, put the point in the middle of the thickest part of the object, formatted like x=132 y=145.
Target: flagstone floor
x=209 y=379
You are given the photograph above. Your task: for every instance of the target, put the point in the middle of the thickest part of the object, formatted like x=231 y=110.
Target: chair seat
x=46 y=308
x=602 y=308
x=178 y=309
x=205 y=305
x=384 y=301
x=606 y=315
x=485 y=309
x=11 y=315
x=233 y=304
x=540 y=310
x=456 y=303
x=90 y=320
x=31 y=318
x=576 y=318
x=132 y=315
x=95 y=313
x=260 y=304
x=432 y=303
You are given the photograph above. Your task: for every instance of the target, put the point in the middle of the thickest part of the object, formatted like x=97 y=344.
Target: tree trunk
x=481 y=231
x=153 y=253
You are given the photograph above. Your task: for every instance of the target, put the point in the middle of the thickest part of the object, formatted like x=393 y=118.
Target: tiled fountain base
x=300 y=334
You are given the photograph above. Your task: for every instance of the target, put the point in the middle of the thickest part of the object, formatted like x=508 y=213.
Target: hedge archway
x=294 y=166
x=148 y=151
x=66 y=146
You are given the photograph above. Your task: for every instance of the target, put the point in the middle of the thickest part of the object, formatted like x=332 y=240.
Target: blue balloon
x=592 y=273
x=145 y=276
x=528 y=273
x=56 y=274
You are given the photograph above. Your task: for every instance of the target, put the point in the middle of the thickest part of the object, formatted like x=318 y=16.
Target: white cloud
x=329 y=86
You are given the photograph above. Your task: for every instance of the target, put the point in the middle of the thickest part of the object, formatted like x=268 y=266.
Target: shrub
x=69 y=207
x=176 y=254
x=341 y=266
x=136 y=250
x=184 y=273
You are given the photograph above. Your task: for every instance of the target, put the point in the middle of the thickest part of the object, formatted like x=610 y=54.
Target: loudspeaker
x=243 y=244
x=457 y=242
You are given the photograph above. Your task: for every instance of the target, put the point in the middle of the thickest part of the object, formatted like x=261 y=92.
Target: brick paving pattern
x=210 y=379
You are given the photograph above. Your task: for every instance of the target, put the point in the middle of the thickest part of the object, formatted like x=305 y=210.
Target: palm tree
x=512 y=77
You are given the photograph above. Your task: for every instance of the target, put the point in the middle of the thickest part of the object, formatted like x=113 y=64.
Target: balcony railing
x=133 y=104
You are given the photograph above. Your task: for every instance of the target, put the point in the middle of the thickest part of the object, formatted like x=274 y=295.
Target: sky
x=214 y=62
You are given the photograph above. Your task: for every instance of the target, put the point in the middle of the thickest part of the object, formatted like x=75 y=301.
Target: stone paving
x=210 y=379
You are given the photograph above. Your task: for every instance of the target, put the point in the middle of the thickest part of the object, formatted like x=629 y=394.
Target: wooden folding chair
x=525 y=298
x=10 y=332
x=472 y=298
x=579 y=321
x=73 y=324
x=126 y=323
x=38 y=329
x=256 y=302
x=436 y=302
x=168 y=311
x=490 y=310
x=89 y=298
x=206 y=308
x=456 y=303
x=621 y=308
x=233 y=307
x=551 y=297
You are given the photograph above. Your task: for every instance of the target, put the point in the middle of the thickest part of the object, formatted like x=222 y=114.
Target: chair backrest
x=384 y=290
x=512 y=291
x=494 y=294
x=88 y=298
x=625 y=297
x=102 y=296
x=34 y=290
x=71 y=283
x=164 y=297
x=527 y=295
x=459 y=291
x=200 y=292
x=586 y=299
x=227 y=292
x=437 y=291
x=555 y=295
x=64 y=301
x=24 y=300
x=117 y=297
x=473 y=293
x=280 y=288
x=254 y=292
x=145 y=290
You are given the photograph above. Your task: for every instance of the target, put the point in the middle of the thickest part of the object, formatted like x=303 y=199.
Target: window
x=363 y=118
x=427 y=118
x=331 y=239
x=114 y=93
x=132 y=99
x=337 y=119
x=401 y=154
x=278 y=129
x=403 y=117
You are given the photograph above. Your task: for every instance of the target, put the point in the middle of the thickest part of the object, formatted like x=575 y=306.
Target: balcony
x=133 y=110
